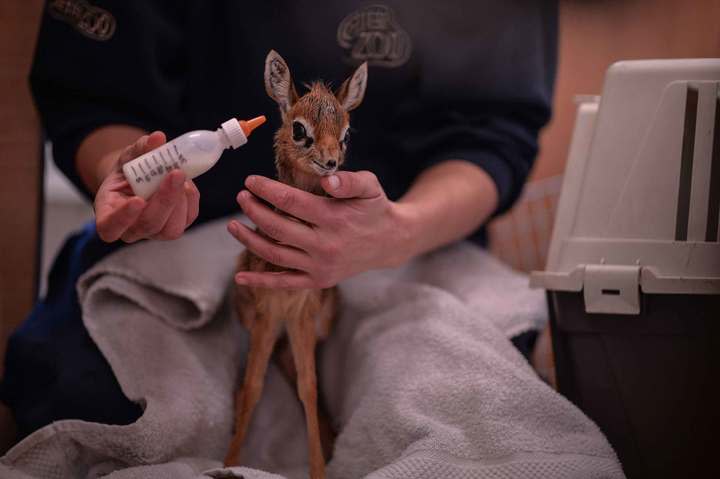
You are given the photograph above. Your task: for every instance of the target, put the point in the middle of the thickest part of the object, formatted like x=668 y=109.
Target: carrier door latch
x=612 y=289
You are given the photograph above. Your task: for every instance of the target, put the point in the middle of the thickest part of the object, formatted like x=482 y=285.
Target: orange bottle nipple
x=249 y=125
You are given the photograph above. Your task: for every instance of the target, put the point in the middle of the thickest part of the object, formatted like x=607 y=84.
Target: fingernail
x=245 y=195
x=239 y=279
x=334 y=181
x=233 y=227
x=250 y=180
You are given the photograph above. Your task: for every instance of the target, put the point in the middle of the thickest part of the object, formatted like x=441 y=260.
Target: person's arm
x=98 y=153
x=98 y=96
x=447 y=202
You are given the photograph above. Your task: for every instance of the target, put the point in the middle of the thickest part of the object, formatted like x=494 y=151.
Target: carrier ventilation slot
x=686 y=162
x=713 y=216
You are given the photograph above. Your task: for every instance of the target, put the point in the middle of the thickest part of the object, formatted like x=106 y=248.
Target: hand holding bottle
x=165 y=215
x=149 y=191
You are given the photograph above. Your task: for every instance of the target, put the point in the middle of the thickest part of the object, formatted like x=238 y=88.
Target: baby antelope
x=311 y=143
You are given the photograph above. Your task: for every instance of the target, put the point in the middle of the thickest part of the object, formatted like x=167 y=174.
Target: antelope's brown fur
x=305 y=315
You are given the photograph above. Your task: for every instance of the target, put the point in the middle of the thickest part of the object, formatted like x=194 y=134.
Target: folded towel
x=419 y=376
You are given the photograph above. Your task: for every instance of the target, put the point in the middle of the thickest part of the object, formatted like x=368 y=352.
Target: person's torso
x=226 y=43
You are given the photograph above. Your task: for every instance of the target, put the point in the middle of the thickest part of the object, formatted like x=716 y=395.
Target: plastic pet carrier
x=633 y=271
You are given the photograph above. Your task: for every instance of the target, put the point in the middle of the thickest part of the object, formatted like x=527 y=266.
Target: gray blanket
x=418 y=376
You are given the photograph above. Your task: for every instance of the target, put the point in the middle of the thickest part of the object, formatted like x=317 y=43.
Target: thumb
x=348 y=184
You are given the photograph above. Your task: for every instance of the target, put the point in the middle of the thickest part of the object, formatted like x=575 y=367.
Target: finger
x=278 y=255
x=348 y=184
x=130 y=152
x=112 y=225
x=176 y=222
x=275 y=280
x=142 y=145
x=115 y=182
x=298 y=203
x=159 y=207
x=192 y=194
x=154 y=139
x=278 y=227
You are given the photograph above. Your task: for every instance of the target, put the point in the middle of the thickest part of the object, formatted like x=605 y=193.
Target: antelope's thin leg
x=301 y=331
x=263 y=335
x=324 y=321
x=286 y=364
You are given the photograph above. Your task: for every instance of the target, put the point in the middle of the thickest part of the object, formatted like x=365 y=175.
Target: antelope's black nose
x=331 y=163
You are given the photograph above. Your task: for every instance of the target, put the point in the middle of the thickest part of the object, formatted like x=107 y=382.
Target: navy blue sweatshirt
x=458 y=79
x=467 y=80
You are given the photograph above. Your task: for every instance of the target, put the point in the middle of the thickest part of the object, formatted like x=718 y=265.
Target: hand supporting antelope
x=335 y=240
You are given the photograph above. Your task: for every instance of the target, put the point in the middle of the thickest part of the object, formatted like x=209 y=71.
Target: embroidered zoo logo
x=91 y=21
x=371 y=34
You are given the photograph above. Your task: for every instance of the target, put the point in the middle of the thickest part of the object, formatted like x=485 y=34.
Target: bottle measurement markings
x=138 y=178
x=174 y=159
x=158 y=167
x=180 y=155
x=147 y=176
x=173 y=164
x=147 y=163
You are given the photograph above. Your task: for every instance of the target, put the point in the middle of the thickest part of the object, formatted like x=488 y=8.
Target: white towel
x=418 y=375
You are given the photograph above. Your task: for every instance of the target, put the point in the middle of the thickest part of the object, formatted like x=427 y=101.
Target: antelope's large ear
x=352 y=91
x=278 y=83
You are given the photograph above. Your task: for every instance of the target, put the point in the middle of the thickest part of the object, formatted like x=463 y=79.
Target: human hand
x=355 y=230
x=119 y=214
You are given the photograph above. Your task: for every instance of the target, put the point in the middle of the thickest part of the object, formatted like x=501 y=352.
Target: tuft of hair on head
x=278 y=82
x=352 y=91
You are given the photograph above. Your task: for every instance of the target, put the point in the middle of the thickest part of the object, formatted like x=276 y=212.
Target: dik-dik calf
x=311 y=143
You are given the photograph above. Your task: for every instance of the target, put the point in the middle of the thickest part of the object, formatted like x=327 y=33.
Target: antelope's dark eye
x=346 y=138
x=299 y=133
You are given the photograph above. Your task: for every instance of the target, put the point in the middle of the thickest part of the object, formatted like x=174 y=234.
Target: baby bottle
x=194 y=153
